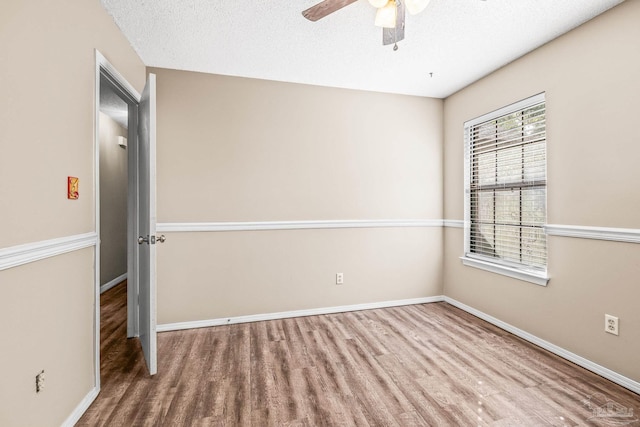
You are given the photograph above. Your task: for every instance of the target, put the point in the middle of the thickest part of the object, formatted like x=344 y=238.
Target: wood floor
x=422 y=365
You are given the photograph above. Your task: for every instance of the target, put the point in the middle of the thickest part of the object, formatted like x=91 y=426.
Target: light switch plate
x=72 y=188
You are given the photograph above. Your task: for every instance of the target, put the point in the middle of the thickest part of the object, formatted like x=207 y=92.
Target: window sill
x=527 y=276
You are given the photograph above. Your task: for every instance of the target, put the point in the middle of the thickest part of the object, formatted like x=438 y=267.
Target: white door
x=147 y=222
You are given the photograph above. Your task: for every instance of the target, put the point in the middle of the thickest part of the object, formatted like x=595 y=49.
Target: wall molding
x=629 y=235
x=82 y=407
x=15 y=256
x=565 y=354
x=295 y=313
x=294 y=225
x=454 y=223
x=110 y=284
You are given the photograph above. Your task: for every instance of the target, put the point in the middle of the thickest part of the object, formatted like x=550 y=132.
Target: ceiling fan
x=390 y=15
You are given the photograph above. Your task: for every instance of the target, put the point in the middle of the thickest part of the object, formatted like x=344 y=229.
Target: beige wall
x=46 y=134
x=47 y=315
x=590 y=77
x=113 y=201
x=215 y=275
x=235 y=149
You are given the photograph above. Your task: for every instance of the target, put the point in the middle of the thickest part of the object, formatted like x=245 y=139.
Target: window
x=506 y=191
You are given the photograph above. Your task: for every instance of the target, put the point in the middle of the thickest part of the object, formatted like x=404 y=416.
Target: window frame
x=538 y=276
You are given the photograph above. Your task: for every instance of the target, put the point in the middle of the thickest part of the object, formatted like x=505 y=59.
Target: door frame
x=116 y=80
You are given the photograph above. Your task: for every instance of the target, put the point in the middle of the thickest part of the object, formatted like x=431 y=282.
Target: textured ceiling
x=459 y=41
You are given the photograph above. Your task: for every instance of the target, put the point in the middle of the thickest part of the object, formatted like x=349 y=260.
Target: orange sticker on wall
x=72 y=188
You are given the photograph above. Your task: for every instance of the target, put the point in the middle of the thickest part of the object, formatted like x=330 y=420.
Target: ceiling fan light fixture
x=378 y=3
x=416 y=6
x=386 y=16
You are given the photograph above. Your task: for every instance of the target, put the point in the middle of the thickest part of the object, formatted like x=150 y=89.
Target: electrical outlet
x=40 y=382
x=611 y=324
x=339 y=278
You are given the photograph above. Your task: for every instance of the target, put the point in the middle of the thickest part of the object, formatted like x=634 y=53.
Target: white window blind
x=506 y=186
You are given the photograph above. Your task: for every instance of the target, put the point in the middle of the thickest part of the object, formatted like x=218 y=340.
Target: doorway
x=116 y=210
x=113 y=125
x=128 y=184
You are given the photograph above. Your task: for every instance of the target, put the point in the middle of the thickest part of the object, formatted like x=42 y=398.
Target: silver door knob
x=142 y=240
x=161 y=238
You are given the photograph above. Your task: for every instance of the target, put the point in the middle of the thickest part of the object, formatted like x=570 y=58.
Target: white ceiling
x=459 y=41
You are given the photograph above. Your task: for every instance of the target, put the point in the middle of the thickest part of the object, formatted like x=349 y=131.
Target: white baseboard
x=104 y=288
x=81 y=408
x=565 y=354
x=295 y=313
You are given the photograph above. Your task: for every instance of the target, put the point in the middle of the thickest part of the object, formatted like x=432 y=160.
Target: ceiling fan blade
x=394 y=35
x=325 y=8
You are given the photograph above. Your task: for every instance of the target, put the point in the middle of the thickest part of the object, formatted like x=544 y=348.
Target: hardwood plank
x=333 y=383
x=265 y=403
x=411 y=419
x=422 y=365
x=297 y=347
x=236 y=390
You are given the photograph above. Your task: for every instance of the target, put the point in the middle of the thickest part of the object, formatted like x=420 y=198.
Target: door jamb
x=104 y=67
